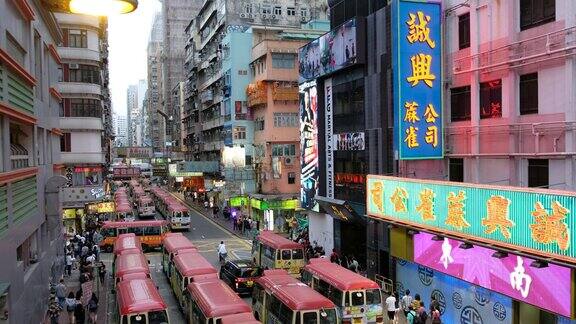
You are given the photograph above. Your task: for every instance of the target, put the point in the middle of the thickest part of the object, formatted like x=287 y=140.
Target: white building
x=120 y=123
x=84 y=91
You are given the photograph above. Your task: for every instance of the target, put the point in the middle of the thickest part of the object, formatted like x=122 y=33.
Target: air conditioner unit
x=303 y=18
x=273 y=16
x=264 y=16
x=288 y=160
x=243 y=15
x=73 y=66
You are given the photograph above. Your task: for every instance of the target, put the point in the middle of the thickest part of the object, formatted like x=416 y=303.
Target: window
x=297 y=254
x=283 y=150
x=373 y=297
x=65 y=143
x=456 y=170
x=310 y=318
x=77 y=38
x=266 y=9
x=278 y=10
x=286 y=255
x=291 y=11
x=491 y=99
x=85 y=74
x=259 y=124
x=357 y=298
x=38 y=65
x=460 y=103
x=536 y=12
x=464 y=31
x=529 y=94
x=538 y=173
x=335 y=295
x=286 y=120
x=304 y=12
x=291 y=178
x=283 y=60
x=85 y=108
x=240 y=133
x=15 y=50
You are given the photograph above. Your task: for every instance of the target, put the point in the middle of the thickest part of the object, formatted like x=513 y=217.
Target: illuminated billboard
x=510 y=275
x=309 y=145
x=417 y=66
x=536 y=221
x=335 y=50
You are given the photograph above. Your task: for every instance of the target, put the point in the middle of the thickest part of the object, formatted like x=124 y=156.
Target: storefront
x=74 y=220
x=490 y=241
x=275 y=213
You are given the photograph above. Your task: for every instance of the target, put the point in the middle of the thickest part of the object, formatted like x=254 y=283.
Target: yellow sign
x=103 y=207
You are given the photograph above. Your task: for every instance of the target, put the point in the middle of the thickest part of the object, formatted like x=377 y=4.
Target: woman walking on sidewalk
x=70 y=306
x=93 y=308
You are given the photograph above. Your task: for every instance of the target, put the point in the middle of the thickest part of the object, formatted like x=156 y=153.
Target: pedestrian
x=416 y=303
x=69 y=262
x=93 y=308
x=391 y=307
x=215 y=212
x=406 y=302
x=222 y=252
x=96 y=251
x=70 y=306
x=102 y=272
x=206 y=203
x=91 y=259
x=234 y=224
x=354 y=266
x=435 y=315
x=79 y=312
x=61 y=291
x=411 y=315
x=434 y=303
x=84 y=251
x=421 y=315
x=54 y=309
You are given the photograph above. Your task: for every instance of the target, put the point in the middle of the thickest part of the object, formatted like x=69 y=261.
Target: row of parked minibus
x=327 y=293
x=173 y=210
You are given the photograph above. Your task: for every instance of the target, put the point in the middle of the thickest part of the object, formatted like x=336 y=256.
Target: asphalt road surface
x=205 y=235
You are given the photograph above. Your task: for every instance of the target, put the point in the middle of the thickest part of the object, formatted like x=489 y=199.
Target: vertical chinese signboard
x=534 y=221
x=417 y=65
x=308 y=144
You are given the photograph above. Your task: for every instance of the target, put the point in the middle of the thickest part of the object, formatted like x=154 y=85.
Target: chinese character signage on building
x=349 y=141
x=532 y=221
x=309 y=145
x=103 y=207
x=417 y=45
x=510 y=275
x=126 y=172
x=139 y=152
x=332 y=51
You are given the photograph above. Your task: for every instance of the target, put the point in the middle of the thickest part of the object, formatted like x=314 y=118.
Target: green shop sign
x=531 y=220
x=238 y=201
x=274 y=204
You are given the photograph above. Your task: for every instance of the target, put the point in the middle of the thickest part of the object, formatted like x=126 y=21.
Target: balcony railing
x=213 y=123
x=537 y=49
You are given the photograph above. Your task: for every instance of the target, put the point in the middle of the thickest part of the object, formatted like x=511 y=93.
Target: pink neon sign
x=547 y=288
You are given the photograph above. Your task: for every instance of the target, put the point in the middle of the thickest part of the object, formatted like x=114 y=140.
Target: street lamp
x=91 y=7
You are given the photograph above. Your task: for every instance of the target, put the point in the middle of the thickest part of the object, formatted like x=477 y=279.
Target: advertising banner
x=349 y=141
x=511 y=275
x=139 y=152
x=459 y=301
x=103 y=207
x=309 y=145
x=329 y=124
x=331 y=52
x=536 y=221
x=417 y=62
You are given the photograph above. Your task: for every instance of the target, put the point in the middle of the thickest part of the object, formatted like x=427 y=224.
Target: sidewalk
x=73 y=285
x=220 y=220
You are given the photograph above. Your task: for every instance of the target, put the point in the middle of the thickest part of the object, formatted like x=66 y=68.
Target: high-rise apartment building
x=132 y=113
x=85 y=119
x=120 y=127
x=175 y=17
x=156 y=122
x=218 y=70
x=31 y=240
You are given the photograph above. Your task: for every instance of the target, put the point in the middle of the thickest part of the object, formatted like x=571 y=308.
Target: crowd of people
x=413 y=309
x=82 y=257
x=314 y=250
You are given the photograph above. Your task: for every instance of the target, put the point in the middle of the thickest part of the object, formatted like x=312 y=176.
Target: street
x=205 y=235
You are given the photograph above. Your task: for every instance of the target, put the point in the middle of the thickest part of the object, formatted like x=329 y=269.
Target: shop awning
x=339 y=209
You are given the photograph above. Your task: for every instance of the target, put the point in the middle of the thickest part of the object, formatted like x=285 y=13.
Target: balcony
x=257 y=94
x=213 y=146
x=207 y=96
x=79 y=87
x=213 y=123
x=73 y=53
x=19 y=157
x=82 y=20
x=81 y=123
x=82 y=157
x=555 y=45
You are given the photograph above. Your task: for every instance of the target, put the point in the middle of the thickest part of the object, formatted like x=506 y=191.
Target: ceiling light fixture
x=437 y=238
x=539 y=264
x=500 y=254
x=466 y=246
x=91 y=7
x=412 y=232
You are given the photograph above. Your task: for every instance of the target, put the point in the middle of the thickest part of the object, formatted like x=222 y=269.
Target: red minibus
x=172 y=244
x=189 y=266
x=129 y=264
x=139 y=302
x=150 y=233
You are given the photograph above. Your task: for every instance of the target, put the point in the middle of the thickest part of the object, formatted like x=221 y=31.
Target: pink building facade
x=510 y=95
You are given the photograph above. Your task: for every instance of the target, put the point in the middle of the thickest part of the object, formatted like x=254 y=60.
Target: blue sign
x=417 y=65
x=460 y=302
